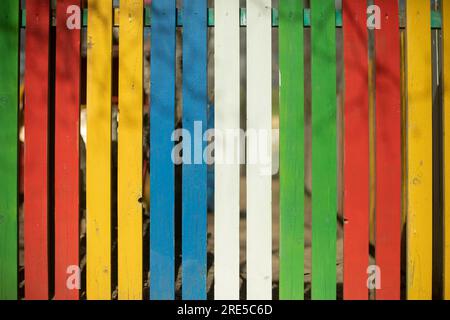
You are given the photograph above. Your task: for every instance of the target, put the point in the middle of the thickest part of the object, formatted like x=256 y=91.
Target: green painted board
x=291 y=149
x=9 y=106
x=324 y=149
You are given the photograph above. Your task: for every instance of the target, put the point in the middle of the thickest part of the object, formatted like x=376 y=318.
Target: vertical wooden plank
x=195 y=101
x=419 y=219
x=36 y=150
x=446 y=97
x=130 y=149
x=67 y=131
x=356 y=150
x=227 y=107
x=372 y=143
x=9 y=107
x=98 y=153
x=259 y=149
x=388 y=151
x=324 y=149
x=162 y=172
x=291 y=150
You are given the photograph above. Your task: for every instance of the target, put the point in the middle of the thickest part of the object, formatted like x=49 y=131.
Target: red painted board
x=36 y=149
x=388 y=150
x=356 y=150
x=67 y=110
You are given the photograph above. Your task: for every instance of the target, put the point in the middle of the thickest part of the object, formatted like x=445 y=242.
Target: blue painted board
x=195 y=107
x=162 y=172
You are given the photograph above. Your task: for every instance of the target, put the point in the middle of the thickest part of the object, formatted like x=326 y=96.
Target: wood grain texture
x=227 y=112
x=388 y=151
x=9 y=160
x=292 y=193
x=446 y=126
x=130 y=150
x=419 y=217
x=36 y=150
x=356 y=150
x=67 y=131
x=324 y=149
x=259 y=149
x=98 y=153
x=162 y=172
x=195 y=102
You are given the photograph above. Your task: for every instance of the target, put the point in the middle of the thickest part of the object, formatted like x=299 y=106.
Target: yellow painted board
x=98 y=154
x=130 y=150
x=419 y=197
x=446 y=68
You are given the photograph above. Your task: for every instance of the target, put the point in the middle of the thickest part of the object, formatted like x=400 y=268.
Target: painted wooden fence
x=403 y=148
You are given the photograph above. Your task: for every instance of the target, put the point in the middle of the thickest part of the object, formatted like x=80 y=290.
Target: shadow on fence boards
x=389 y=120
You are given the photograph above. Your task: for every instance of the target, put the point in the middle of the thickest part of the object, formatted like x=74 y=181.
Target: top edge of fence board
x=436 y=18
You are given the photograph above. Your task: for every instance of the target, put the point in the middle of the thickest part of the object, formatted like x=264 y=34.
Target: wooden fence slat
x=419 y=219
x=291 y=150
x=227 y=113
x=324 y=149
x=195 y=102
x=67 y=131
x=162 y=172
x=259 y=149
x=388 y=151
x=356 y=150
x=36 y=150
x=9 y=109
x=446 y=113
x=98 y=153
x=130 y=150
